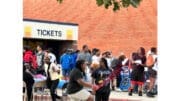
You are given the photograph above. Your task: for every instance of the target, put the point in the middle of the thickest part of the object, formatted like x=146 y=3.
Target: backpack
x=125 y=79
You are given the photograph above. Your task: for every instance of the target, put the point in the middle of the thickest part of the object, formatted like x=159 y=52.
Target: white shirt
x=53 y=75
x=52 y=57
x=109 y=60
x=155 y=66
x=95 y=59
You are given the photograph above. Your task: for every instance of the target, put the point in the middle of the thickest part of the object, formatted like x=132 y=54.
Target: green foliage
x=116 y=6
x=116 y=3
x=107 y=3
x=125 y=3
x=99 y=2
x=135 y=3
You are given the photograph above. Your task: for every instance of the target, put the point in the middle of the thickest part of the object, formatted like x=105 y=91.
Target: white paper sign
x=45 y=30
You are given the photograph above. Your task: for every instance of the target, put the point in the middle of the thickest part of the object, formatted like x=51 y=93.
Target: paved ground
x=123 y=96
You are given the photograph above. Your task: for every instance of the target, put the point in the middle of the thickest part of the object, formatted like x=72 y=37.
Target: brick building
x=124 y=30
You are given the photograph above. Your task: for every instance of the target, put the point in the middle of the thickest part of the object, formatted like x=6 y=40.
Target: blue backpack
x=125 y=79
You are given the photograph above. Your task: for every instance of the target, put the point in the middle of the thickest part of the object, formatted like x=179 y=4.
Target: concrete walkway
x=123 y=96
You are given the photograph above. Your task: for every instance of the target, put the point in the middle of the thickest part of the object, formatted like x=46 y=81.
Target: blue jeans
x=66 y=72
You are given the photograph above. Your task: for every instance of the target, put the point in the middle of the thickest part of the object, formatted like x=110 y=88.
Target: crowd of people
x=91 y=69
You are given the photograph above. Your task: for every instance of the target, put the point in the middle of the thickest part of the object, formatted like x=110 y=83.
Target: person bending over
x=76 y=83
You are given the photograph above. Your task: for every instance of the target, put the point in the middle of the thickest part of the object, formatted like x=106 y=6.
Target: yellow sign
x=69 y=34
x=27 y=31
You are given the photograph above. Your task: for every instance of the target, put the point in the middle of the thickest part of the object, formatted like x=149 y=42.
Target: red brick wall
x=125 y=30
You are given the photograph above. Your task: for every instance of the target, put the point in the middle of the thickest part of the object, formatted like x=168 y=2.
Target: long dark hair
x=105 y=62
x=142 y=51
x=135 y=56
x=122 y=57
x=79 y=64
x=154 y=50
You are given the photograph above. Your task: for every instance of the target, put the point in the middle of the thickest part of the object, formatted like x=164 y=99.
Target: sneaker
x=140 y=93
x=155 y=93
x=118 y=90
x=58 y=97
x=149 y=94
x=130 y=92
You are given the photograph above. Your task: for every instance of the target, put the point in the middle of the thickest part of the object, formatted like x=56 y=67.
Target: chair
x=25 y=92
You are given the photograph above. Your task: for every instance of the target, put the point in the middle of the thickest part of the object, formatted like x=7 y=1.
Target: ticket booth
x=55 y=35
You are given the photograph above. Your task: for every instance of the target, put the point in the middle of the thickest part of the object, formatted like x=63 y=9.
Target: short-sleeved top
x=66 y=61
x=136 y=67
x=100 y=75
x=95 y=59
x=40 y=57
x=52 y=57
x=53 y=75
x=73 y=85
x=84 y=56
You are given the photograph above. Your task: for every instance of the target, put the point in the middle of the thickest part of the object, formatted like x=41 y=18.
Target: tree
x=117 y=4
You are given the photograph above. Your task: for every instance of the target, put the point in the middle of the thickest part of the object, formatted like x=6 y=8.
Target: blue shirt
x=66 y=61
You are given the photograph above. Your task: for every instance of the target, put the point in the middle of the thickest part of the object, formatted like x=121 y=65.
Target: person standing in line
x=137 y=75
x=66 y=62
x=99 y=76
x=30 y=58
x=28 y=79
x=74 y=57
x=85 y=55
x=40 y=60
x=95 y=60
x=119 y=64
x=51 y=55
x=109 y=59
x=74 y=53
x=152 y=70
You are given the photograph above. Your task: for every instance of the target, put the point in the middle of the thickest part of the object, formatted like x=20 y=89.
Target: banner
x=50 y=30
